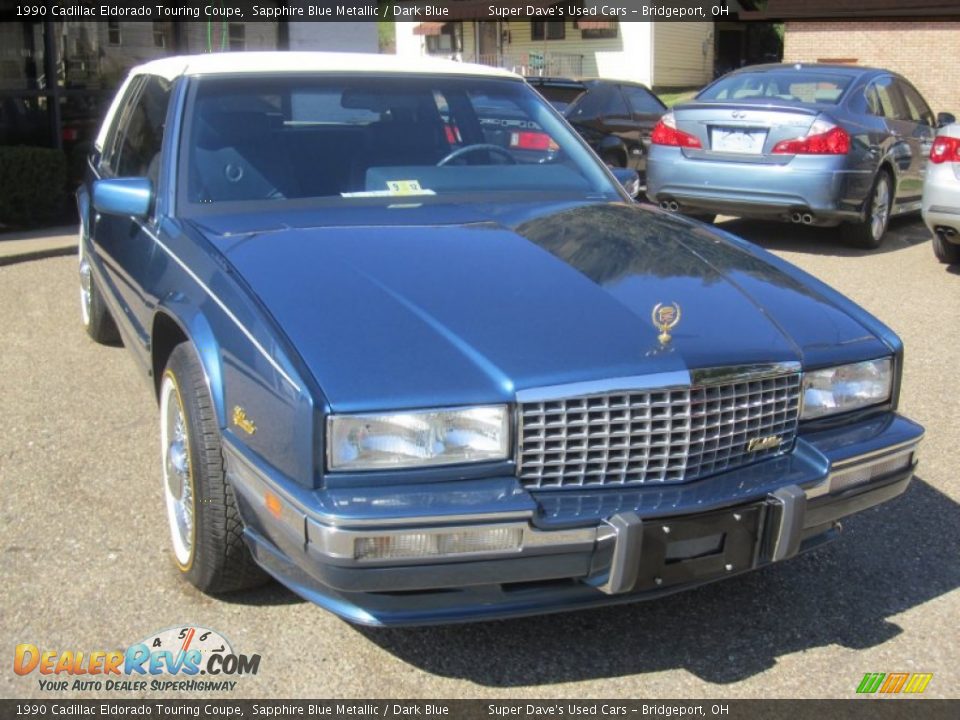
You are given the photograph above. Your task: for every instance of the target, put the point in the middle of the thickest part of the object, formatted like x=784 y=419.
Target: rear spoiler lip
x=811 y=110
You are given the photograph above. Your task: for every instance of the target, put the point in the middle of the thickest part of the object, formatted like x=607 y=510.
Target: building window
x=160 y=34
x=595 y=31
x=444 y=42
x=238 y=36
x=113 y=32
x=550 y=30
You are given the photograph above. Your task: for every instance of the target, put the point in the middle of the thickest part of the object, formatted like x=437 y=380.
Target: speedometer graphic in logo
x=193 y=641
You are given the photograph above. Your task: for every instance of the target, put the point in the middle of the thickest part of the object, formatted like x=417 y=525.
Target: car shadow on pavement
x=888 y=560
x=270 y=594
x=903 y=233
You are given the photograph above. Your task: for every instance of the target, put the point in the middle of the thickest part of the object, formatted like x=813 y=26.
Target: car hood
x=447 y=305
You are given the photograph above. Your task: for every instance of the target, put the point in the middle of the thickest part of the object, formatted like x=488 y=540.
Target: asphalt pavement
x=17 y=247
x=86 y=564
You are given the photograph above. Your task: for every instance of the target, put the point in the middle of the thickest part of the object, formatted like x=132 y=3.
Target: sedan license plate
x=737 y=140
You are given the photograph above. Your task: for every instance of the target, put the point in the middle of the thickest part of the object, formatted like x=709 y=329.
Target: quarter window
x=873 y=101
x=138 y=153
x=919 y=110
x=111 y=146
x=890 y=100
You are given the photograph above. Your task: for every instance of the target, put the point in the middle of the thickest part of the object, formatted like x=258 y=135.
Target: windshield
x=799 y=86
x=348 y=139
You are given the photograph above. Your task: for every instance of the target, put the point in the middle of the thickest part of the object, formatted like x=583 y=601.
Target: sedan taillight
x=528 y=140
x=665 y=133
x=945 y=149
x=823 y=138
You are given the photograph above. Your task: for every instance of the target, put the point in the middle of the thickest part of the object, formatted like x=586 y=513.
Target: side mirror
x=945 y=118
x=123 y=196
x=629 y=179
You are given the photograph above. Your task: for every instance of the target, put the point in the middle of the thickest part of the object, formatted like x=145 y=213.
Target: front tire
x=946 y=251
x=206 y=531
x=869 y=232
x=94 y=314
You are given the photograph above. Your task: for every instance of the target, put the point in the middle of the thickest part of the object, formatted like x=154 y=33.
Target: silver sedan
x=941 y=195
x=812 y=144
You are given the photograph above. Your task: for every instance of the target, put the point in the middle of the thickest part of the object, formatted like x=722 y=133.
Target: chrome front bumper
x=615 y=545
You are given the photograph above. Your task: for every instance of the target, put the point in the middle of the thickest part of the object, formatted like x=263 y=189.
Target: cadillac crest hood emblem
x=665 y=318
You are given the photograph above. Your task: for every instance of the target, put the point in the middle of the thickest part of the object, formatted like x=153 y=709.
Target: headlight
x=846 y=387
x=418 y=438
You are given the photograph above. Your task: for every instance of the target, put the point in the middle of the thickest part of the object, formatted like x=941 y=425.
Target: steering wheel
x=460 y=152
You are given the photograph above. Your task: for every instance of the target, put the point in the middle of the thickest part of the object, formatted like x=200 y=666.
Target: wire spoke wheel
x=85 y=291
x=206 y=530
x=178 y=482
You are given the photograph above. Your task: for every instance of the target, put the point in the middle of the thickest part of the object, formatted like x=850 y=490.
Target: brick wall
x=926 y=53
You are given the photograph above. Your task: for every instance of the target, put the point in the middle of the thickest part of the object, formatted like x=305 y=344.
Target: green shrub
x=32 y=185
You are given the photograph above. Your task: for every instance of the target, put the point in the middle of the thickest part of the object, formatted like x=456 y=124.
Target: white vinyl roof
x=273 y=62
x=278 y=62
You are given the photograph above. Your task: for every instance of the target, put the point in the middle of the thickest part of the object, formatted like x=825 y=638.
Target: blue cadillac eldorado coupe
x=423 y=360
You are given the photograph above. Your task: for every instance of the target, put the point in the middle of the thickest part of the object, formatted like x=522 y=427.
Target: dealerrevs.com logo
x=173 y=660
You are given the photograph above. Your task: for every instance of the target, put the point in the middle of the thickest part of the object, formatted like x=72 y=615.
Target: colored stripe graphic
x=871 y=682
x=918 y=682
x=893 y=683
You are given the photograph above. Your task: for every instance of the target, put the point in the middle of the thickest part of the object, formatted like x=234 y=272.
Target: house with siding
x=657 y=54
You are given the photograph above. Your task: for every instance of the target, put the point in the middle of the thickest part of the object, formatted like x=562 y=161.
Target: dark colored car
x=616 y=117
x=811 y=144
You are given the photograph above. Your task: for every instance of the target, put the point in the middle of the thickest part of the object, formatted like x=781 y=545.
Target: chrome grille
x=665 y=435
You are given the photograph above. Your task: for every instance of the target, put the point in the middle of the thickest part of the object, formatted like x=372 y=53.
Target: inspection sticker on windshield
x=394 y=188
x=405 y=187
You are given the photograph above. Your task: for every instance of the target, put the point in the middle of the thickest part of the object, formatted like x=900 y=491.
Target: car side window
x=138 y=154
x=891 y=101
x=615 y=105
x=919 y=110
x=588 y=106
x=873 y=101
x=111 y=147
x=642 y=101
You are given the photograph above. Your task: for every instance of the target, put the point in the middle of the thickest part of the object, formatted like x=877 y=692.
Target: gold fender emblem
x=241 y=420
x=665 y=318
x=763 y=443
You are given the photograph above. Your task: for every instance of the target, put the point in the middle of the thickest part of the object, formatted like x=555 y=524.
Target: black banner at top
x=587 y=11
x=371 y=10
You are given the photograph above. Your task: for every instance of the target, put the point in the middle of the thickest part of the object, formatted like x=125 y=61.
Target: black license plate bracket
x=679 y=551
